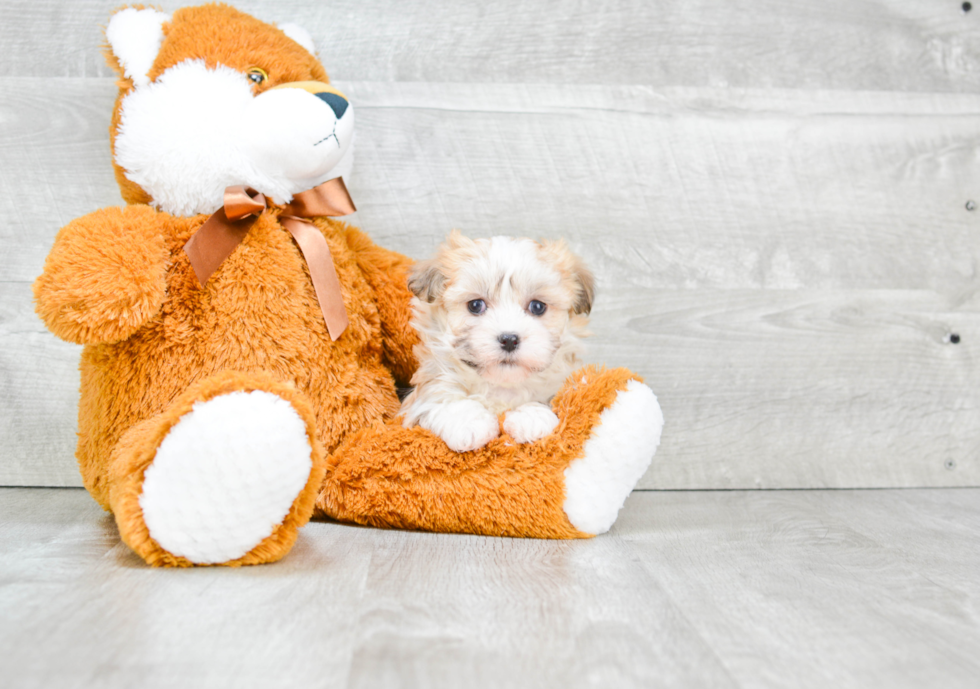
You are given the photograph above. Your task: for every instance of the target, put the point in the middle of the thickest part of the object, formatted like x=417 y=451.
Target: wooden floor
x=690 y=589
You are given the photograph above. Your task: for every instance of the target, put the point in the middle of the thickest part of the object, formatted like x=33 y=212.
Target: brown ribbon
x=218 y=237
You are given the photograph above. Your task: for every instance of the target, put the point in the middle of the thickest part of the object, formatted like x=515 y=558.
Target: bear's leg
x=618 y=451
x=226 y=475
x=570 y=484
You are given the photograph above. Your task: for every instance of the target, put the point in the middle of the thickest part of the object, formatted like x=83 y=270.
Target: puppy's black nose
x=509 y=341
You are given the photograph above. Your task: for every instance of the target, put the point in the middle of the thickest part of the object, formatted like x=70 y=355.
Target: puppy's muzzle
x=509 y=341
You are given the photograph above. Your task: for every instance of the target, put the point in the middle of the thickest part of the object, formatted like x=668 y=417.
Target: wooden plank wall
x=773 y=194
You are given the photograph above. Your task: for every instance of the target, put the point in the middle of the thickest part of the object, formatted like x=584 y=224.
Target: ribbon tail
x=325 y=281
x=215 y=241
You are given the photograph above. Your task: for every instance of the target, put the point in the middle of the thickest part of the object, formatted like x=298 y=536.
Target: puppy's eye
x=257 y=75
x=537 y=308
x=476 y=307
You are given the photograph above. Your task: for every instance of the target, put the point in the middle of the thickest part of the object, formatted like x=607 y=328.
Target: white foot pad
x=225 y=476
x=616 y=455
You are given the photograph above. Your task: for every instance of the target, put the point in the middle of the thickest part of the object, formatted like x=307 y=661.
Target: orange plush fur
x=501 y=489
x=157 y=342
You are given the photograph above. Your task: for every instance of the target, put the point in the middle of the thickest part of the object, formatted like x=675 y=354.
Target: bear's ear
x=134 y=37
x=300 y=35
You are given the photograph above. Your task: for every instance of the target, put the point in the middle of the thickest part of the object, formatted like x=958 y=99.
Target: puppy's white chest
x=500 y=399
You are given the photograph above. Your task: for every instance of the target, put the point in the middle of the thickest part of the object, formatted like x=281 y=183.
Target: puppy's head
x=502 y=307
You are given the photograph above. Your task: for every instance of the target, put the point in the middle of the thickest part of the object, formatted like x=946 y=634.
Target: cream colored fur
x=466 y=375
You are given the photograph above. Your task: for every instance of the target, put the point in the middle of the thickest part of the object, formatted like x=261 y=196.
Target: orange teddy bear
x=242 y=349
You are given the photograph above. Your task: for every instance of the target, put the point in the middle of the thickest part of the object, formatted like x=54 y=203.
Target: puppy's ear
x=427 y=280
x=579 y=279
x=457 y=240
x=586 y=288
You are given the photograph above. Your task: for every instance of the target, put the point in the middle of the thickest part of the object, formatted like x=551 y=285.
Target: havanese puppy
x=501 y=322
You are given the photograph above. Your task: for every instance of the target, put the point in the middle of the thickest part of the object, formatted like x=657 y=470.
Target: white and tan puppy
x=500 y=321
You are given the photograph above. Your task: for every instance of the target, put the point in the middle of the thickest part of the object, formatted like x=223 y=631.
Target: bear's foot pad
x=225 y=476
x=614 y=458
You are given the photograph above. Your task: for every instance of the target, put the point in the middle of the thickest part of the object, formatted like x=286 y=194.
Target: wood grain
x=766 y=576
x=349 y=607
x=801 y=388
x=57 y=165
x=682 y=188
x=691 y=589
x=887 y=45
x=39 y=382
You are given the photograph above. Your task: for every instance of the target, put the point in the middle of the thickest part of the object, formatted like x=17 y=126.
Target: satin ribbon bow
x=218 y=237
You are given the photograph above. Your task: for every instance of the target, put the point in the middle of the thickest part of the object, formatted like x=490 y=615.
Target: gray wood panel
x=683 y=188
x=39 y=383
x=56 y=164
x=902 y=45
x=803 y=388
x=690 y=589
x=784 y=267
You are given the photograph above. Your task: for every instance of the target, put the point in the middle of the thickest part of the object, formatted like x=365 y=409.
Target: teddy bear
x=243 y=347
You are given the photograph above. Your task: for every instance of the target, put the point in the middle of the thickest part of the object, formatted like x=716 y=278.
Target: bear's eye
x=476 y=307
x=537 y=308
x=257 y=75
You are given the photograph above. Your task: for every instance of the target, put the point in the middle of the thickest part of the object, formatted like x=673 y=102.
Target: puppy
x=501 y=322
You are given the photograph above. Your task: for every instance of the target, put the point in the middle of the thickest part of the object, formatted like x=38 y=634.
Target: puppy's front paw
x=530 y=422
x=464 y=425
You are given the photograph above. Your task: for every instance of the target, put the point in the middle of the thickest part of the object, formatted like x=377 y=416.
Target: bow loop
x=330 y=199
x=241 y=202
x=218 y=237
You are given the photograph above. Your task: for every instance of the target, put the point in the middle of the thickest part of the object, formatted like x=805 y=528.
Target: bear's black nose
x=337 y=103
x=509 y=341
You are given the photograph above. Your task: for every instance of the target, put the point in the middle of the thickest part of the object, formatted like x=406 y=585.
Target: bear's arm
x=387 y=273
x=105 y=276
